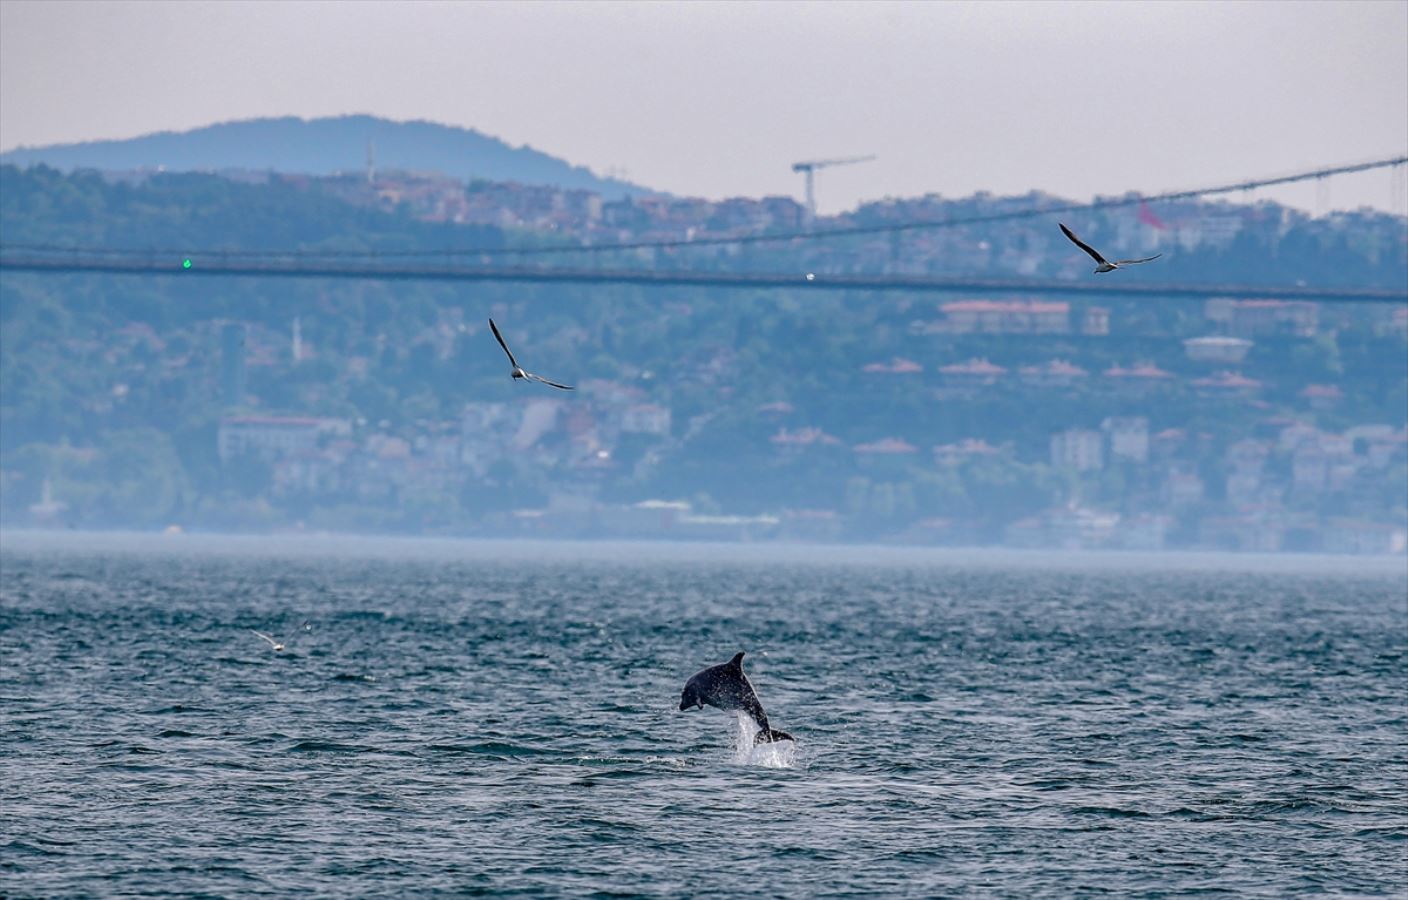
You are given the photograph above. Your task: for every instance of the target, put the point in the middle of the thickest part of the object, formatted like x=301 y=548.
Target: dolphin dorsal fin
x=737 y=661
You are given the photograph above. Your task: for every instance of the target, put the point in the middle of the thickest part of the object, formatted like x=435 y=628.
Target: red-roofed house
x=970 y=374
x=1227 y=385
x=1056 y=374
x=1007 y=317
x=888 y=455
x=1168 y=444
x=897 y=366
x=1149 y=371
x=889 y=446
x=1137 y=381
x=802 y=437
x=1322 y=396
x=963 y=451
x=1264 y=317
x=1217 y=349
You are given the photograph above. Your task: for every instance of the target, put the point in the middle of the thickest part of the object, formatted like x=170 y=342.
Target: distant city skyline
x=720 y=100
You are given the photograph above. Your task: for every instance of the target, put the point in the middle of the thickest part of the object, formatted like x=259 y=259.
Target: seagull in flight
x=278 y=647
x=518 y=370
x=1104 y=264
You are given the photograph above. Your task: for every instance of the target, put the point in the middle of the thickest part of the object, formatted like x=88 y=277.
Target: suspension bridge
x=394 y=271
x=432 y=265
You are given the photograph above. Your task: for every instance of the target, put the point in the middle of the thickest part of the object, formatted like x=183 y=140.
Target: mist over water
x=503 y=717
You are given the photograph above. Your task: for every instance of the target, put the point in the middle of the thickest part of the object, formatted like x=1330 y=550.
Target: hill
x=323 y=147
x=239 y=403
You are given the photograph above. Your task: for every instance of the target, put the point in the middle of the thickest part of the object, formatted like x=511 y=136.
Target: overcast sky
x=718 y=99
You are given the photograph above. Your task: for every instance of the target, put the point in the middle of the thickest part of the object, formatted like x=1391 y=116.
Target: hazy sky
x=718 y=99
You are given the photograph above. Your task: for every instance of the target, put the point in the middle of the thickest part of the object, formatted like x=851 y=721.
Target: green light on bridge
x=186 y=263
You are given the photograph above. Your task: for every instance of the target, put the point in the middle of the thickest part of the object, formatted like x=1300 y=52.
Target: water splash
x=772 y=755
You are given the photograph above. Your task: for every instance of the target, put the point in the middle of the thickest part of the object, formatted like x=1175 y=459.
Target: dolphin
x=726 y=687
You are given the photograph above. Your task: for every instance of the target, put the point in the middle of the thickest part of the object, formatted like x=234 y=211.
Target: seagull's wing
x=539 y=378
x=272 y=642
x=1132 y=262
x=1082 y=244
x=502 y=344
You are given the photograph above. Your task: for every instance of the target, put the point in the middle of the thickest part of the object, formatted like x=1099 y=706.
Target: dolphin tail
x=769 y=735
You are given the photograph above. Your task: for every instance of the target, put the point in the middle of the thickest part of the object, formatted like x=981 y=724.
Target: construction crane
x=809 y=169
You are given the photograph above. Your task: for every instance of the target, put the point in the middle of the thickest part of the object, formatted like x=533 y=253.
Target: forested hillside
x=844 y=409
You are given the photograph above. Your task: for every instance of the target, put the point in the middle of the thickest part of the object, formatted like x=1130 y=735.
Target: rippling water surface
x=466 y=718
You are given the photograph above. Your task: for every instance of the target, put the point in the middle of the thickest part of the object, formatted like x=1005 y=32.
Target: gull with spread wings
x=1104 y=264
x=277 y=645
x=518 y=370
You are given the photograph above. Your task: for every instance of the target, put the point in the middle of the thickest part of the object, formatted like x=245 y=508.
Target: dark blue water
x=479 y=718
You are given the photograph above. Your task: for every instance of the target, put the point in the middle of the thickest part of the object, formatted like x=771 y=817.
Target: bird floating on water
x=278 y=647
x=518 y=371
x=1104 y=264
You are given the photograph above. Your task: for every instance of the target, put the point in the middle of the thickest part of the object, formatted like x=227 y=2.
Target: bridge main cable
x=666 y=278
x=1131 y=199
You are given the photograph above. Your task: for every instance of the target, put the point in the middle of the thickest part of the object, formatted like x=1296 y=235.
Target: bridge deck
x=1093 y=286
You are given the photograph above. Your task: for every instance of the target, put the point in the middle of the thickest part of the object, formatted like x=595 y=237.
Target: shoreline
x=479 y=549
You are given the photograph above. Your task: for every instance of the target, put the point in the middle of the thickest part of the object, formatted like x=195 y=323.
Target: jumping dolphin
x=726 y=687
x=1104 y=265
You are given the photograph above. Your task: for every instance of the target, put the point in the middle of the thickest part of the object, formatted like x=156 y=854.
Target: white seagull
x=1104 y=264
x=278 y=647
x=518 y=370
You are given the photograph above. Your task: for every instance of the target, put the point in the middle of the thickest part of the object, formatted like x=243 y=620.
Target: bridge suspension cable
x=1130 y=199
x=391 y=271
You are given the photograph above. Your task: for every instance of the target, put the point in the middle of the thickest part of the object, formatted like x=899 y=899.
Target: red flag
x=1146 y=215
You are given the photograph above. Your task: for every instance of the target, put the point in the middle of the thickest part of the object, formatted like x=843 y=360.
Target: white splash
x=772 y=755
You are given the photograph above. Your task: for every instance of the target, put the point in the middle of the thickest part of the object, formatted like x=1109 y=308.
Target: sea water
x=483 y=718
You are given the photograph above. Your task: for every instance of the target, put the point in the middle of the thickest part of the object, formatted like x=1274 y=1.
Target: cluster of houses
x=313 y=457
x=553 y=210
x=1260 y=493
x=1021 y=248
x=1254 y=494
x=1263 y=495
x=1268 y=489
